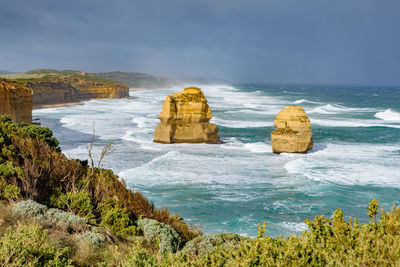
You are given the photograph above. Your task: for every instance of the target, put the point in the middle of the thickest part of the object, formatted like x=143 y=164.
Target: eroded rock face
x=293 y=131
x=49 y=92
x=16 y=100
x=73 y=89
x=185 y=119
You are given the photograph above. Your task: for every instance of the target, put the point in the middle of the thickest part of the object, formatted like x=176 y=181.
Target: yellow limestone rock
x=293 y=131
x=16 y=100
x=185 y=119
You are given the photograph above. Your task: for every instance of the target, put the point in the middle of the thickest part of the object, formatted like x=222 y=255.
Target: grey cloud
x=244 y=41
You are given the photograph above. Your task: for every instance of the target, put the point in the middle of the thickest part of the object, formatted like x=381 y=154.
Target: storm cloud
x=278 y=41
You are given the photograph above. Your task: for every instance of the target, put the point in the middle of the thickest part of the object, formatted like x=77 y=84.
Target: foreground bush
x=33 y=167
x=28 y=245
x=328 y=242
x=331 y=241
x=166 y=238
x=205 y=244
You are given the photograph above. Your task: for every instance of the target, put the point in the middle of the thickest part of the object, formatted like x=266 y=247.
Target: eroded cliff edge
x=293 y=131
x=185 y=119
x=16 y=100
x=58 y=87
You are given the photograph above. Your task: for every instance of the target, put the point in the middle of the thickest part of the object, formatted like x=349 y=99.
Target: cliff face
x=16 y=100
x=53 y=92
x=293 y=131
x=185 y=119
x=89 y=89
x=72 y=89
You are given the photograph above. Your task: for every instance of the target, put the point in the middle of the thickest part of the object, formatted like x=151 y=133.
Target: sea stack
x=185 y=119
x=293 y=131
x=16 y=100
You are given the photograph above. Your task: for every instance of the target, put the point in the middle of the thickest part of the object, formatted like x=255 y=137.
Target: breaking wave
x=388 y=115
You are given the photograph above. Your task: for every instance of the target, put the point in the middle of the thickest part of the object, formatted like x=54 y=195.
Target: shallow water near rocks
x=232 y=187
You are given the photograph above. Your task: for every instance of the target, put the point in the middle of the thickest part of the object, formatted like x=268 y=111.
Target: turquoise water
x=232 y=187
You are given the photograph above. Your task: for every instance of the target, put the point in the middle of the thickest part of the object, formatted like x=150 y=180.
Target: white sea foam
x=292 y=93
x=270 y=111
x=300 y=101
x=335 y=109
x=145 y=122
x=388 y=115
x=258 y=147
x=133 y=136
x=351 y=123
x=241 y=124
x=349 y=164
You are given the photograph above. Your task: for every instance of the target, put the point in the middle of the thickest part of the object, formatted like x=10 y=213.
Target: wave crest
x=388 y=115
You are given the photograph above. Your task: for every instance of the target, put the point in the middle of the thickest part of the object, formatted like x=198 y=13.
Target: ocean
x=234 y=186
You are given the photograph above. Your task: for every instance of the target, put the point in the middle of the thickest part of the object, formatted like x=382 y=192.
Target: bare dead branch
x=107 y=150
x=89 y=149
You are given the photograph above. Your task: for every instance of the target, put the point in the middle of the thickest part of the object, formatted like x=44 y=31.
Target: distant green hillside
x=139 y=80
x=42 y=75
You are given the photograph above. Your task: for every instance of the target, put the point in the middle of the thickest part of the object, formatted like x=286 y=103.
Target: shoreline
x=58 y=105
x=71 y=104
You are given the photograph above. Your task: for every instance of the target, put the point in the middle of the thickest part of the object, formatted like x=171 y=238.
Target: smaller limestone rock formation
x=293 y=131
x=16 y=100
x=185 y=119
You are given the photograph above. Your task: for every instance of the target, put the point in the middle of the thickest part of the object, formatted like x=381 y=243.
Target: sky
x=272 y=41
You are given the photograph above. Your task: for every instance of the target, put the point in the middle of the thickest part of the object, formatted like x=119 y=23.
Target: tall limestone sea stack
x=16 y=100
x=293 y=131
x=185 y=119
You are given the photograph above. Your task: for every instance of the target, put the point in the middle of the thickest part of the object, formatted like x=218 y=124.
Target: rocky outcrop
x=16 y=100
x=185 y=119
x=293 y=131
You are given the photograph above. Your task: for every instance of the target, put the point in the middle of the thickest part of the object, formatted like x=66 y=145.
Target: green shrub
x=28 y=208
x=93 y=238
x=68 y=220
x=28 y=245
x=8 y=169
x=8 y=191
x=205 y=244
x=139 y=256
x=11 y=129
x=117 y=218
x=77 y=202
x=42 y=133
x=156 y=232
x=48 y=217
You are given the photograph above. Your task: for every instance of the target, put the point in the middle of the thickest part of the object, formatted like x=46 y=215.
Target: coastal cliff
x=16 y=101
x=185 y=119
x=58 y=87
x=293 y=131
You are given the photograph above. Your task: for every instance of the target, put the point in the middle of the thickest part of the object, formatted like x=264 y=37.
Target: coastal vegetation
x=56 y=211
x=42 y=75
